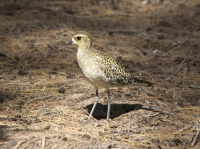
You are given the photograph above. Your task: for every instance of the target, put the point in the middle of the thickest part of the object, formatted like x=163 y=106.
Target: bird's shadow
x=100 y=111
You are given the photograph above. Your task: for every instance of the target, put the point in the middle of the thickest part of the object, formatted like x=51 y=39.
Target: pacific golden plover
x=100 y=70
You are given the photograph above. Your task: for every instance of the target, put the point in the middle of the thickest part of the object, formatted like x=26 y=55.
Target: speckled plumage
x=99 y=69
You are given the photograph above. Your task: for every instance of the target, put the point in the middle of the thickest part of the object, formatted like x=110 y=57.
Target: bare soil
x=44 y=97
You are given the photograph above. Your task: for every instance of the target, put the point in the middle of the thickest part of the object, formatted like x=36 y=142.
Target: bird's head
x=81 y=39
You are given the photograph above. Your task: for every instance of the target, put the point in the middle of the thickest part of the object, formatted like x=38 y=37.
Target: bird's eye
x=78 y=38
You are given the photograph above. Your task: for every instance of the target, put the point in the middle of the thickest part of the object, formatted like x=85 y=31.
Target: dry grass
x=157 y=42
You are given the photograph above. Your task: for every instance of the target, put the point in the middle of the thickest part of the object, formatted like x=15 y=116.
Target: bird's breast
x=91 y=69
x=89 y=66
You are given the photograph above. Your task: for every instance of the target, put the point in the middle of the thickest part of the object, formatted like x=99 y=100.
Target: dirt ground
x=44 y=97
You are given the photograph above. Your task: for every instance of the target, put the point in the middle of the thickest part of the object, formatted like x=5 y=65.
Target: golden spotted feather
x=114 y=72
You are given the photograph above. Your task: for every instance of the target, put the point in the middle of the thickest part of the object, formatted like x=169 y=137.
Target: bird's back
x=103 y=71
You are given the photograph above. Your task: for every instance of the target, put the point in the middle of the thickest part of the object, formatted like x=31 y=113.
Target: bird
x=100 y=70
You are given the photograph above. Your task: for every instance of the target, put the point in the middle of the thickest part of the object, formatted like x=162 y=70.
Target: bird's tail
x=142 y=82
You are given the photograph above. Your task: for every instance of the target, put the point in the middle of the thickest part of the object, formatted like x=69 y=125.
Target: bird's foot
x=108 y=120
x=85 y=122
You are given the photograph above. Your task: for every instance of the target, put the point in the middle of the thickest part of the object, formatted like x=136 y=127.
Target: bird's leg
x=95 y=103
x=109 y=104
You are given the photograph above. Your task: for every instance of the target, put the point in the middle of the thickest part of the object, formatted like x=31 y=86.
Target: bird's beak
x=69 y=42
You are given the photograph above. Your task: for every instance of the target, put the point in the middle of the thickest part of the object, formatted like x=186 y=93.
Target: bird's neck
x=86 y=46
x=82 y=51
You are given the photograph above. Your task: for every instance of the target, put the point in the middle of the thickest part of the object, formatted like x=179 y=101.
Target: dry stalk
x=194 y=142
x=183 y=129
x=155 y=110
x=22 y=65
x=43 y=142
x=18 y=144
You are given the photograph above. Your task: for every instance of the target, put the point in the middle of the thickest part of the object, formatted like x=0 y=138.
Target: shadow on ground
x=7 y=95
x=100 y=111
x=3 y=136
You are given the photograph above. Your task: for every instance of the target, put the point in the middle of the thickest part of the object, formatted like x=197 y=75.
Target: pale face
x=81 y=39
x=78 y=39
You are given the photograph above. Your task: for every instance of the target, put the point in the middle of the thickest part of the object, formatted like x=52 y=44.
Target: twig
x=180 y=68
x=54 y=146
x=39 y=128
x=25 y=145
x=110 y=145
x=195 y=138
x=14 y=60
x=154 y=109
x=36 y=144
x=183 y=129
x=197 y=134
x=43 y=142
x=18 y=144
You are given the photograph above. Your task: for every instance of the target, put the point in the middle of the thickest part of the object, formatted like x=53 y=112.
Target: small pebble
x=65 y=139
x=61 y=90
x=22 y=72
x=1 y=71
x=169 y=79
x=86 y=136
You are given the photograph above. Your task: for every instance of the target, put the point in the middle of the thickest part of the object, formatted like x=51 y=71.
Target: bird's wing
x=116 y=73
x=113 y=71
